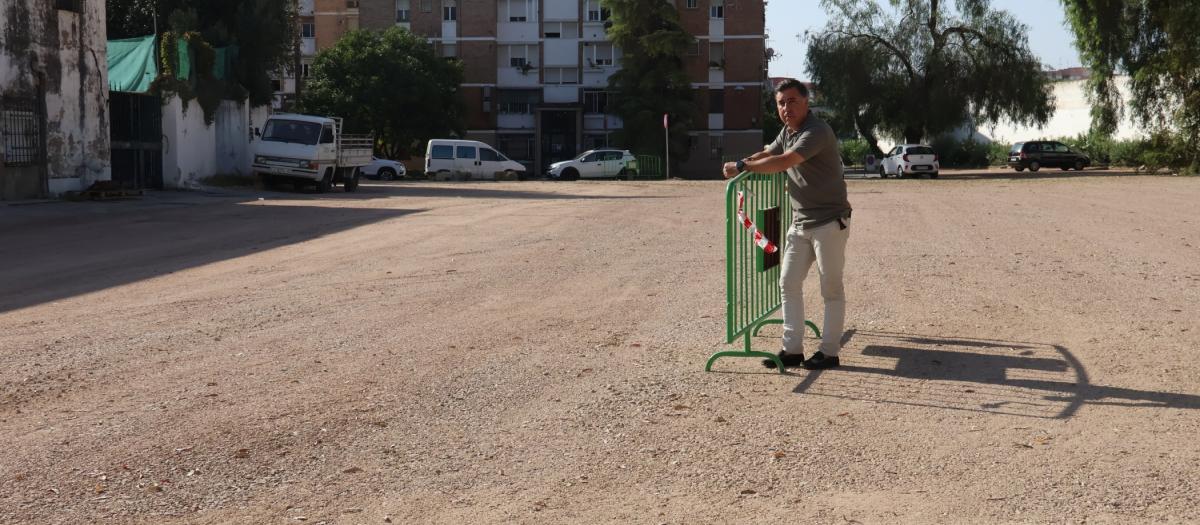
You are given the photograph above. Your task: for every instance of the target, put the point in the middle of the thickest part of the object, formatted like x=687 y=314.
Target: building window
x=694 y=142
x=716 y=100
x=562 y=75
x=449 y=50
x=716 y=147
x=426 y=6
x=519 y=56
x=693 y=49
x=275 y=85
x=601 y=54
x=595 y=101
x=596 y=13
x=403 y=10
x=75 y=6
x=595 y=142
x=449 y=11
x=22 y=140
x=717 y=9
x=304 y=70
x=517 y=10
x=716 y=55
x=693 y=4
x=516 y=102
x=560 y=30
x=516 y=147
x=308 y=30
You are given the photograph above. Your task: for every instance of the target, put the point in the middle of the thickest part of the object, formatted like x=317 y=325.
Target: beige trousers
x=825 y=245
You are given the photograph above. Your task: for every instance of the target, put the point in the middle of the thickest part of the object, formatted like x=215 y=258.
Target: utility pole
x=296 y=71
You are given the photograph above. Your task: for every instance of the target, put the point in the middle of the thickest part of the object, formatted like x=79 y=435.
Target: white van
x=469 y=159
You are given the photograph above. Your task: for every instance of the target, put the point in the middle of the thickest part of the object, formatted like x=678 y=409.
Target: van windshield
x=299 y=132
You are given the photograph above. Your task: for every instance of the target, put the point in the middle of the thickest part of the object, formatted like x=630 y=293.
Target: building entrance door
x=135 y=129
x=558 y=137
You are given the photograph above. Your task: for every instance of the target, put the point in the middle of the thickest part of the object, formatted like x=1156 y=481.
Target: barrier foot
x=740 y=353
x=754 y=333
x=816 y=332
x=745 y=353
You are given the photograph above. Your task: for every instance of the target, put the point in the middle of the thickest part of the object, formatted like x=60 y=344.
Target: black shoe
x=820 y=361
x=789 y=360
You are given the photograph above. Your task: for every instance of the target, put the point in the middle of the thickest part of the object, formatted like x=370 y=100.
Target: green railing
x=752 y=291
x=649 y=168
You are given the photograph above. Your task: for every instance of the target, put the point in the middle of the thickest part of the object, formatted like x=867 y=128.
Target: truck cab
x=310 y=150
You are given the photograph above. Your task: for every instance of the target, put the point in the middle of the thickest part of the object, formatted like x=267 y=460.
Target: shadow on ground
x=981 y=375
x=57 y=257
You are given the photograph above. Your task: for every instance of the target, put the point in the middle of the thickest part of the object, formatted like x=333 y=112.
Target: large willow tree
x=920 y=68
x=1156 y=42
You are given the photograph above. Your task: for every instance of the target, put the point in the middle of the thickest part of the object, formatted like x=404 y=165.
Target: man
x=807 y=148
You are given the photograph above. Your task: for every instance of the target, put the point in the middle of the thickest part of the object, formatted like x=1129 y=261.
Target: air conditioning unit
x=487 y=106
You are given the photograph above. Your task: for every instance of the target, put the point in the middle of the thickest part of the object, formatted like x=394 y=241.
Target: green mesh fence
x=650 y=167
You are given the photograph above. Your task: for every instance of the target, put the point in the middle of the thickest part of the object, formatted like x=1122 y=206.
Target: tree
x=1156 y=43
x=652 y=80
x=390 y=82
x=263 y=30
x=928 y=69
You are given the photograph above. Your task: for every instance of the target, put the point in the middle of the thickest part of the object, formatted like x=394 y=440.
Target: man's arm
x=764 y=162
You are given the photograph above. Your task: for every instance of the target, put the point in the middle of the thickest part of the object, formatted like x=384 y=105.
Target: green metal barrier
x=649 y=167
x=752 y=291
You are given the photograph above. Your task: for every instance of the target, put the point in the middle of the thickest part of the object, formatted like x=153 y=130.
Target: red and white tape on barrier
x=759 y=239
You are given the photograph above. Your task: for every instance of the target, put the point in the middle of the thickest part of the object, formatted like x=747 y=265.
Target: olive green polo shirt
x=816 y=186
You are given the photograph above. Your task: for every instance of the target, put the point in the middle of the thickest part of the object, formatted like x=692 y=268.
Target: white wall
x=193 y=151
x=67 y=51
x=1070 y=119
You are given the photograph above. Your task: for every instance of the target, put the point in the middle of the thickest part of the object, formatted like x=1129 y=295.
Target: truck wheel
x=351 y=183
x=325 y=183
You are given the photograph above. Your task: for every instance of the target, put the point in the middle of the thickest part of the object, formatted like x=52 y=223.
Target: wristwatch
x=740 y=165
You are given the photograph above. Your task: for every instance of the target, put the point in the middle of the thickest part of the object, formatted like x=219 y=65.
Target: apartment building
x=536 y=70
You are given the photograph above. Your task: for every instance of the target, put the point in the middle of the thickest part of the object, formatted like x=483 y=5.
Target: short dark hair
x=789 y=83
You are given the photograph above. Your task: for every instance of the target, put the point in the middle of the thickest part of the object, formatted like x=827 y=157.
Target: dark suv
x=1036 y=155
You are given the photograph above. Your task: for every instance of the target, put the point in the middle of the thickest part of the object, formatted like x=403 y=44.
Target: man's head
x=791 y=99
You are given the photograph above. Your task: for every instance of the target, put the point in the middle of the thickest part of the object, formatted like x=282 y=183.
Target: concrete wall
x=1072 y=117
x=193 y=151
x=59 y=59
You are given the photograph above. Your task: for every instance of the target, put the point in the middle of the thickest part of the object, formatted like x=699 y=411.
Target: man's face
x=792 y=107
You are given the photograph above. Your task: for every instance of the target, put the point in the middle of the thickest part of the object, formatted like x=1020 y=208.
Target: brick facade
x=534 y=117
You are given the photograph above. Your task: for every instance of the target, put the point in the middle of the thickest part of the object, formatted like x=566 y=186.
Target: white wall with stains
x=193 y=151
x=60 y=56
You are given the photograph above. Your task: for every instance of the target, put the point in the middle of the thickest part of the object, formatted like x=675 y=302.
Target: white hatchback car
x=384 y=169
x=596 y=164
x=910 y=159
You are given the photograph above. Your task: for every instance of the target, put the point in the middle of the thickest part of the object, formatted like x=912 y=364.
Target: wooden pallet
x=99 y=195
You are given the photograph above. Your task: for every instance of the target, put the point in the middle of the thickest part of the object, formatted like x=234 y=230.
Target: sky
x=1049 y=39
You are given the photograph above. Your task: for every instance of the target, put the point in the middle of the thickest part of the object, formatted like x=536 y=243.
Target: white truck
x=306 y=150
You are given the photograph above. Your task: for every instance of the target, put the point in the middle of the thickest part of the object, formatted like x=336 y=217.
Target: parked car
x=1038 y=154
x=910 y=159
x=469 y=158
x=308 y=150
x=383 y=169
x=596 y=164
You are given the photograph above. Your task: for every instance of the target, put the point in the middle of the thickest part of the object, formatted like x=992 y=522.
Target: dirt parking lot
x=1017 y=351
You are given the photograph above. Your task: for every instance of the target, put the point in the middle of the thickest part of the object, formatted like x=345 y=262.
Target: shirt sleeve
x=776 y=148
x=810 y=143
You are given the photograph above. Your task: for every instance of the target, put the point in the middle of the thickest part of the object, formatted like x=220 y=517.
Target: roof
x=302 y=118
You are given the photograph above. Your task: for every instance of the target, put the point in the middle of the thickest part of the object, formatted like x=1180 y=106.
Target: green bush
x=1162 y=149
x=854 y=152
x=967 y=153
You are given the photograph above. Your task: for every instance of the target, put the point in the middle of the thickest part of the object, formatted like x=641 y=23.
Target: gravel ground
x=1017 y=351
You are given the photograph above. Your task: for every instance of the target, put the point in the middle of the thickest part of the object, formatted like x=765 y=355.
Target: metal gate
x=752 y=275
x=136 y=135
